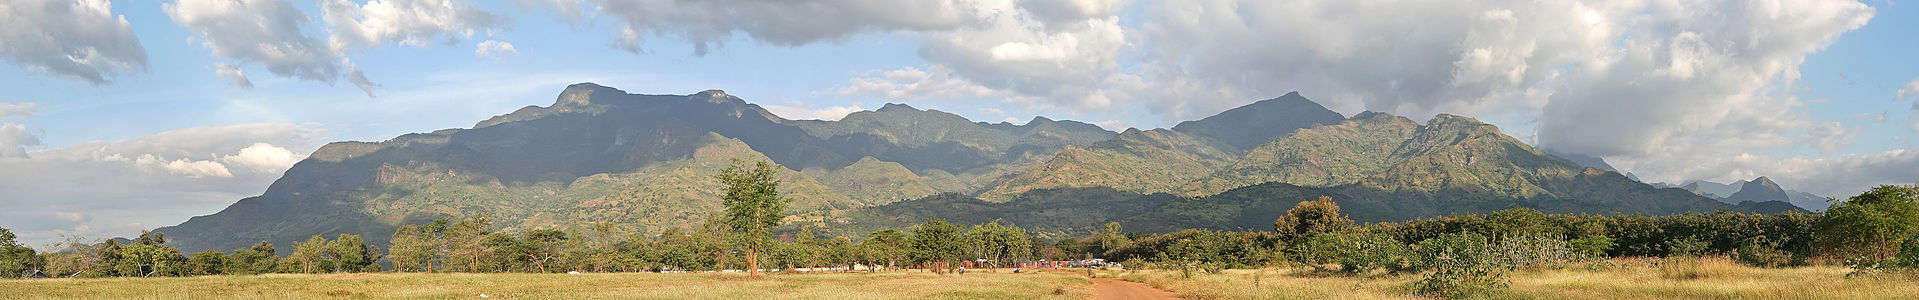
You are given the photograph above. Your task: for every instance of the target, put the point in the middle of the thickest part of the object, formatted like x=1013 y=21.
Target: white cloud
x=22 y=109
x=154 y=179
x=1114 y=125
x=707 y=24
x=14 y=138
x=269 y=32
x=1910 y=91
x=184 y=167
x=264 y=158
x=74 y=39
x=495 y=49
x=833 y=113
x=1830 y=137
x=232 y=72
x=415 y=23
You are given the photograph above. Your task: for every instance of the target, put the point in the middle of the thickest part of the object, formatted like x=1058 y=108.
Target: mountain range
x=645 y=163
x=1760 y=189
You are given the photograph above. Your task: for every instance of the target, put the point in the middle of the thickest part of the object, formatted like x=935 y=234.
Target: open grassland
x=885 y=285
x=1699 y=279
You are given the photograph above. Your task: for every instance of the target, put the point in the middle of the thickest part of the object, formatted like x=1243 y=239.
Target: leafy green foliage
x=1310 y=218
x=937 y=242
x=1872 y=224
x=16 y=259
x=753 y=206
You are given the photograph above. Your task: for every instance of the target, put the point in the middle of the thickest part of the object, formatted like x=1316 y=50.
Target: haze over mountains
x=645 y=163
x=1757 y=190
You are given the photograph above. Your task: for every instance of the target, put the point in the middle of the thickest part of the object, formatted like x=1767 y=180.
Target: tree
x=465 y=239
x=1310 y=218
x=351 y=254
x=207 y=262
x=16 y=259
x=545 y=245
x=997 y=243
x=1112 y=238
x=411 y=248
x=886 y=247
x=753 y=207
x=1872 y=224
x=309 y=253
x=937 y=242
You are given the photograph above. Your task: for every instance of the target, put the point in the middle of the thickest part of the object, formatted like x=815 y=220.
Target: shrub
x=1759 y=253
x=1428 y=252
x=1461 y=274
x=1689 y=246
x=1358 y=252
x=1592 y=245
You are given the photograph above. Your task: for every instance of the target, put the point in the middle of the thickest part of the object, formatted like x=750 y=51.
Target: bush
x=1427 y=253
x=1908 y=256
x=1358 y=252
x=1759 y=253
x=1461 y=273
x=1689 y=246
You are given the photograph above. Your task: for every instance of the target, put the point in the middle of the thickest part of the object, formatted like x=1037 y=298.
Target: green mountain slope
x=1343 y=153
x=879 y=182
x=1249 y=126
x=1150 y=161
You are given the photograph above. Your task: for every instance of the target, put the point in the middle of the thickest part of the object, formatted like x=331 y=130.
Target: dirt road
x=1115 y=289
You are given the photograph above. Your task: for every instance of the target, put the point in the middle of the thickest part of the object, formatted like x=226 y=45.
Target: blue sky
x=1708 y=90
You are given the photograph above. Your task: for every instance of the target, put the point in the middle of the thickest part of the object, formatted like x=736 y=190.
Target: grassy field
x=1705 y=279
x=889 y=285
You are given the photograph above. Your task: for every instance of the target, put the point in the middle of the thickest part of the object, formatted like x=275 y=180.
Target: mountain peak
x=1761 y=189
x=717 y=96
x=581 y=94
x=1249 y=126
x=896 y=107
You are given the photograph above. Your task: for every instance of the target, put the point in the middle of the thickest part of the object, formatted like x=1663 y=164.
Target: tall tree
x=309 y=253
x=544 y=246
x=15 y=259
x=466 y=239
x=352 y=254
x=410 y=248
x=937 y=242
x=753 y=207
x=888 y=247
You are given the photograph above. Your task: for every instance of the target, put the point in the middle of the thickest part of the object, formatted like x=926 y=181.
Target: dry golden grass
x=1706 y=278
x=888 y=285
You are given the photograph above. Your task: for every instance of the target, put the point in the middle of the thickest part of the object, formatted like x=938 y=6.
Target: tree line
x=1461 y=253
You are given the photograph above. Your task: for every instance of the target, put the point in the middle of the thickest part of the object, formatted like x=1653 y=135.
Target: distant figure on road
x=962 y=270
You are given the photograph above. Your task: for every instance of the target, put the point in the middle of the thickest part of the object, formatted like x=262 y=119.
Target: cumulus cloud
x=495 y=49
x=416 y=23
x=833 y=113
x=80 y=40
x=277 y=35
x=156 y=179
x=263 y=158
x=268 y=32
x=14 y=138
x=234 y=73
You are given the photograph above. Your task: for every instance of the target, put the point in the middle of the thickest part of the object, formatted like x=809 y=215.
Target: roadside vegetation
x=1865 y=246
